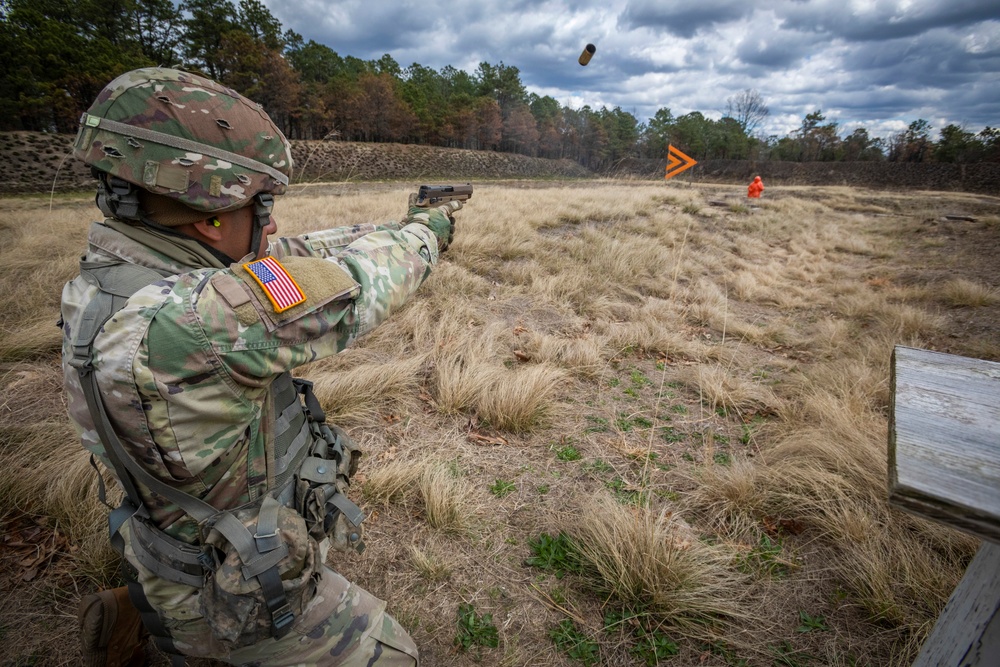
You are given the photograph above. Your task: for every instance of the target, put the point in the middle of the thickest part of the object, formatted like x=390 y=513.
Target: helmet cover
x=185 y=137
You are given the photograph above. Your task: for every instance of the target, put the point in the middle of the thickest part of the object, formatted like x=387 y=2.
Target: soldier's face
x=237 y=227
x=271 y=228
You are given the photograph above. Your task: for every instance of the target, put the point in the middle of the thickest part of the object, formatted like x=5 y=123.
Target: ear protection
x=215 y=222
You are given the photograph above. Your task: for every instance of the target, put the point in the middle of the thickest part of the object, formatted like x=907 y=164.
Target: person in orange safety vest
x=755 y=188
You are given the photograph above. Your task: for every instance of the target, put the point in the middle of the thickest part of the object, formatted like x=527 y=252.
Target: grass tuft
x=654 y=561
x=448 y=500
x=960 y=292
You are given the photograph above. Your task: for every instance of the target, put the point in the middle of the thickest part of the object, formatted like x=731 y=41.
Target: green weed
x=809 y=623
x=557 y=554
x=639 y=380
x=654 y=647
x=619 y=617
x=670 y=434
x=475 y=629
x=764 y=558
x=722 y=650
x=785 y=655
x=625 y=495
x=598 y=465
x=575 y=644
x=568 y=453
x=626 y=422
x=502 y=488
x=748 y=430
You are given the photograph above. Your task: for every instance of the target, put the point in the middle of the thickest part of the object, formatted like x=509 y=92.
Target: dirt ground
x=936 y=245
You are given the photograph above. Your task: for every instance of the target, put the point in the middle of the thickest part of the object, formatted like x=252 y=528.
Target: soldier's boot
x=111 y=632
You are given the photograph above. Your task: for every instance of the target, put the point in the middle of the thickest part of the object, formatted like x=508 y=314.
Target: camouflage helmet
x=184 y=137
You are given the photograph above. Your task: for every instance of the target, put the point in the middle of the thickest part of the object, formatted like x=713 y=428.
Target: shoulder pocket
x=283 y=291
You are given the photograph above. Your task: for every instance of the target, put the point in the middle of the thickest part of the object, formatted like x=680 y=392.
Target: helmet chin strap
x=262 y=205
x=116 y=198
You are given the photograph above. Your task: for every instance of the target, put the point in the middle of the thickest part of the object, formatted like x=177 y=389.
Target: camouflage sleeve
x=332 y=242
x=256 y=337
x=326 y=243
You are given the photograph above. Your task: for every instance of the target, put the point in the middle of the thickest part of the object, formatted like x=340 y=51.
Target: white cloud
x=880 y=64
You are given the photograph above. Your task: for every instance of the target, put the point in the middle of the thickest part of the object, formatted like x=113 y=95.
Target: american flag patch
x=280 y=287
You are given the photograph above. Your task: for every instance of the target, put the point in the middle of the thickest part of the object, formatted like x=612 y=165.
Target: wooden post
x=944 y=464
x=968 y=630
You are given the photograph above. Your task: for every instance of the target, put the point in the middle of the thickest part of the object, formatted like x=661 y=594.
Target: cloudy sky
x=880 y=64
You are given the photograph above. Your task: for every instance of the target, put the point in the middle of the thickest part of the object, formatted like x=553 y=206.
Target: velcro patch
x=279 y=287
x=166 y=176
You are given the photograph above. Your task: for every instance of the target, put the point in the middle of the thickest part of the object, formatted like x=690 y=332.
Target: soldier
x=179 y=335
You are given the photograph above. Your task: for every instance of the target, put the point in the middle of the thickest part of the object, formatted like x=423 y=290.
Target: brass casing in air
x=588 y=52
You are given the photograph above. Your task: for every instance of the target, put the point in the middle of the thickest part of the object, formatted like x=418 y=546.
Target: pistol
x=429 y=196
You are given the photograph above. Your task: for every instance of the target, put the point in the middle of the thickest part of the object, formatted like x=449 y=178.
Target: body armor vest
x=312 y=463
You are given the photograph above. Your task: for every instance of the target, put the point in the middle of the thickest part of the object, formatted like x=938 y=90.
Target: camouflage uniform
x=186 y=370
x=186 y=374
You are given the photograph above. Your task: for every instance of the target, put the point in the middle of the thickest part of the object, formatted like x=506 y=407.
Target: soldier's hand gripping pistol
x=446 y=198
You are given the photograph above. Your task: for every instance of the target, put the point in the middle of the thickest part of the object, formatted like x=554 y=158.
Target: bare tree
x=748 y=109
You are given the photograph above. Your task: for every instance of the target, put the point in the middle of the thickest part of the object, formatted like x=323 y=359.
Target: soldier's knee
x=391 y=646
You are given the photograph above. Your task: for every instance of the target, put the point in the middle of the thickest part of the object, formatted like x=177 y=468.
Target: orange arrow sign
x=677 y=162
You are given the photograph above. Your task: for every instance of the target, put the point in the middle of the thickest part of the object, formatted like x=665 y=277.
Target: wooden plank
x=944 y=439
x=967 y=634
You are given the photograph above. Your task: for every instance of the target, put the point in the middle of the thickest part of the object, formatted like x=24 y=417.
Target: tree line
x=58 y=54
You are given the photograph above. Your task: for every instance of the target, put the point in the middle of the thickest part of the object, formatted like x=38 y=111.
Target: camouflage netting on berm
x=37 y=162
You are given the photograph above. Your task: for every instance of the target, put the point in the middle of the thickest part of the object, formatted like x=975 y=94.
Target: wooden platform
x=944 y=464
x=944 y=439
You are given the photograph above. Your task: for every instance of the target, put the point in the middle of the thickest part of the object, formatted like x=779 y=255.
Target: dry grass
x=722 y=387
x=521 y=400
x=430 y=566
x=37 y=259
x=447 y=500
x=360 y=393
x=652 y=560
x=696 y=395
x=962 y=292
x=391 y=482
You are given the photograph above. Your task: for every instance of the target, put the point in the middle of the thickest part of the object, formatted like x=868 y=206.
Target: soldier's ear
x=210 y=228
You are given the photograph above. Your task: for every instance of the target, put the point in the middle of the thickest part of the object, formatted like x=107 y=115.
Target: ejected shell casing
x=587 y=54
